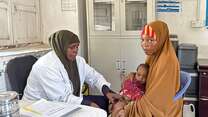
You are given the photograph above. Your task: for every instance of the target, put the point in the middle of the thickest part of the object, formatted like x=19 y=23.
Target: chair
x=17 y=70
x=185 y=81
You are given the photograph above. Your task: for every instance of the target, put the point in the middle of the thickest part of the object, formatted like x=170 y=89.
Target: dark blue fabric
x=101 y=101
x=86 y=102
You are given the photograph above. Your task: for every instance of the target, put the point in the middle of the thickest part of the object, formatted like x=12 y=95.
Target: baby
x=134 y=85
x=132 y=89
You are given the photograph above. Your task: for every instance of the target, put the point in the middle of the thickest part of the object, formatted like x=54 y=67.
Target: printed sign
x=168 y=6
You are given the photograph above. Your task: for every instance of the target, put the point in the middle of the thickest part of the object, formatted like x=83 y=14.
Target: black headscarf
x=60 y=41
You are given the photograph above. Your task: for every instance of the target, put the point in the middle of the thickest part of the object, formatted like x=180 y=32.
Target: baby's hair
x=146 y=66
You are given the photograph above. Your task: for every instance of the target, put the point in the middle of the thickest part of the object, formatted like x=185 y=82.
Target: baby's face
x=141 y=75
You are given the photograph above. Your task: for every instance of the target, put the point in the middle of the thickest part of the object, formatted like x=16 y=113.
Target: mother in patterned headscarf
x=163 y=78
x=60 y=74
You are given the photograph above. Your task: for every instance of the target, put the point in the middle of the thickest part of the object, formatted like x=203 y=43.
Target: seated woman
x=163 y=78
x=60 y=74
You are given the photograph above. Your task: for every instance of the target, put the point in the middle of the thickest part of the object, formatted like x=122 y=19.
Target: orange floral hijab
x=162 y=81
x=148 y=31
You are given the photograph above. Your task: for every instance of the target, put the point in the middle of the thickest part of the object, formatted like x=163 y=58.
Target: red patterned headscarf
x=147 y=30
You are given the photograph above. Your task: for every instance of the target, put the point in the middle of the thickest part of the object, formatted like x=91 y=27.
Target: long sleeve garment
x=163 y=79
x=48 y=79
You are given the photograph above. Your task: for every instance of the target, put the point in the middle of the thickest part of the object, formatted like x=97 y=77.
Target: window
x=19 y=22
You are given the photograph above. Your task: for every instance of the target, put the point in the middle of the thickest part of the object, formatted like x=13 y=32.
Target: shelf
x=24 y=49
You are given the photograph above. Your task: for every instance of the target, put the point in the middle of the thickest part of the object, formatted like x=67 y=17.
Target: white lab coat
x=48 y=79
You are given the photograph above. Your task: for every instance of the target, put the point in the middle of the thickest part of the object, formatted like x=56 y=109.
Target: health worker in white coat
x=60 y=74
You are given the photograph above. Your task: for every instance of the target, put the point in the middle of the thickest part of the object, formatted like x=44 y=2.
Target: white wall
x=54 y=19
x=180 y=24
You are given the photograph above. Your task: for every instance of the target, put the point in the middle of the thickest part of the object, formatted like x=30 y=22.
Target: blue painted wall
x=207 y=13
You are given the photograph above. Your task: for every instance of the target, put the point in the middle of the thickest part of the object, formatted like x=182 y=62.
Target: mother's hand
x=118 y=109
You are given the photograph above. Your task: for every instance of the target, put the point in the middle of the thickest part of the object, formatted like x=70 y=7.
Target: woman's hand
x=121 y=113
x=118 y=113
x=118 y=109
x=113 y=97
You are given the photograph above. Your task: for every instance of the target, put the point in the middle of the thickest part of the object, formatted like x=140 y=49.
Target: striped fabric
x=147 y=30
